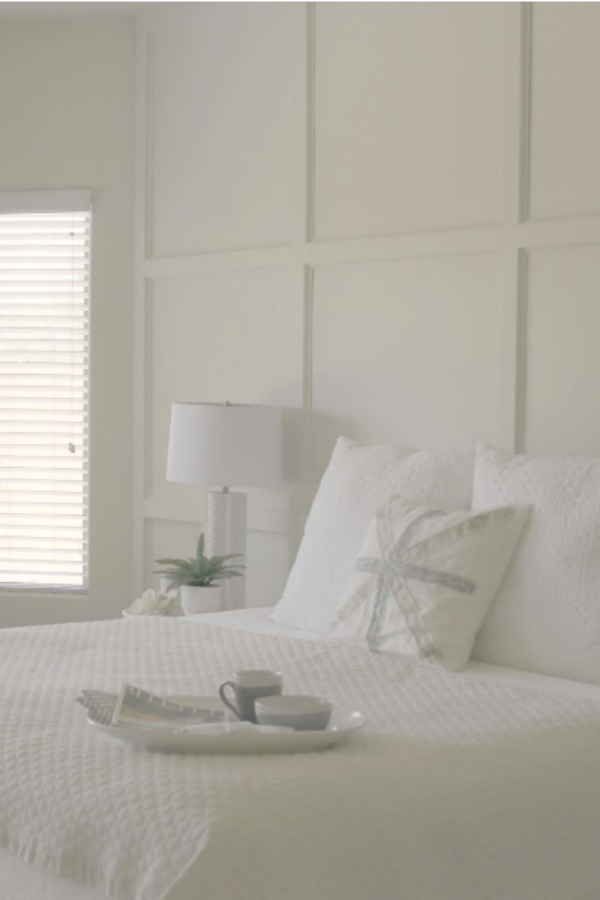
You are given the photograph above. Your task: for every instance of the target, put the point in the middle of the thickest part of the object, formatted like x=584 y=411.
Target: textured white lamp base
x=224 y=533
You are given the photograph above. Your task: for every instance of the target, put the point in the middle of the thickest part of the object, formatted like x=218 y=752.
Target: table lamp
x=231 y=445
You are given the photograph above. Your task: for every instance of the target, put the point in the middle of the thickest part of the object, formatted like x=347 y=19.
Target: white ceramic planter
x=200 y=599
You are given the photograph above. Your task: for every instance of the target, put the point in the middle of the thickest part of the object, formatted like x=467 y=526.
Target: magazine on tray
x=135 y=707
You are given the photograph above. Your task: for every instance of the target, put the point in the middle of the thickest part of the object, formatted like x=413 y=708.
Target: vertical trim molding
x=525 y=111
x=148 y=378
x=516 y=112
x=141 y=247
x=307 y=386
x=513 y=382
x=310 y=199
x=521 y=350
x=148 y=133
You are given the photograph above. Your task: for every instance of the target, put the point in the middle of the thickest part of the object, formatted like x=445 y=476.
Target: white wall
x=384 y=217
x=66 y=112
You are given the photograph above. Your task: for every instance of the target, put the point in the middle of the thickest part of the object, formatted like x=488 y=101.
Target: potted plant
x=198 y=578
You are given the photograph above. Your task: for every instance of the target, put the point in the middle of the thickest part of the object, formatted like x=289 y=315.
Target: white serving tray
x=343 y=723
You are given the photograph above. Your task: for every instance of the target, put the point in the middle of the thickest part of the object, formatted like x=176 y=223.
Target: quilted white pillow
x=546 y=617
x=356 y=482
x=424 y=579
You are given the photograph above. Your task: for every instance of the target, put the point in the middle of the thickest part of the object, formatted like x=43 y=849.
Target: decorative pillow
x=546 y=617
x=424 y=579
x=356 y=482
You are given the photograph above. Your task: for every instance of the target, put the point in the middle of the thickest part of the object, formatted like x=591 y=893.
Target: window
x=44 y=375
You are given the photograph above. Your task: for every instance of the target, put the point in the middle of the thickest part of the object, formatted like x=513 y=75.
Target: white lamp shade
x=225 y=444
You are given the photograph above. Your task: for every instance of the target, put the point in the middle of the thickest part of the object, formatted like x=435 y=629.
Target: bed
x=472 y=778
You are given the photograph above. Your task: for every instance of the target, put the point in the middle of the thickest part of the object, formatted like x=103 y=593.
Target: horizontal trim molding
x=559 y=231
x=223 y=261
x=526 y=235
x=274 y=521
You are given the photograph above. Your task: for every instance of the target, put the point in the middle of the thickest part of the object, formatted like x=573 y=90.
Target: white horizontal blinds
x=44 y=375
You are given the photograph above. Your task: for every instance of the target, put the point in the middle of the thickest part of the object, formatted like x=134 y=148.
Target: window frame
x=69 y=201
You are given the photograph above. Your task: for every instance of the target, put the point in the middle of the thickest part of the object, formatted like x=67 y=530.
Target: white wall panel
x=563 y=358
x=228 y=113
x=236 y=336
x=408 y=116
x=565 y=125
x=409 y=352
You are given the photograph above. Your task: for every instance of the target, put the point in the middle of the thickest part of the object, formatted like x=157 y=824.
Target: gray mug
x=247 y=686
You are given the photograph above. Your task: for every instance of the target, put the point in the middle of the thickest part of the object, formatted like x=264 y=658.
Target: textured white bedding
x=472 y=785
x=257 y=620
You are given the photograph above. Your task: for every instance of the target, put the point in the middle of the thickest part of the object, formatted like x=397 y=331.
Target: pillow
x=546 y=617
x=423 y=580
x=356 y=482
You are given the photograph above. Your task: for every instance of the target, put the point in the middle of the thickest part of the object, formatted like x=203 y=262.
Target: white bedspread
x=460 y=788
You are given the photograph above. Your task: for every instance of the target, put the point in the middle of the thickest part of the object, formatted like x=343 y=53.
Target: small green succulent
x=198 y=571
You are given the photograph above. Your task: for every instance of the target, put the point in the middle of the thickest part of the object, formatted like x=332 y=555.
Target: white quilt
x=459 y=788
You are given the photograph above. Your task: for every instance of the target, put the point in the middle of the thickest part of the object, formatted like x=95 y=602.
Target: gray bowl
x=299 y=711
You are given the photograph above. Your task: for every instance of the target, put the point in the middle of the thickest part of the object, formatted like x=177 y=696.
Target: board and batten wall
x=384 y=218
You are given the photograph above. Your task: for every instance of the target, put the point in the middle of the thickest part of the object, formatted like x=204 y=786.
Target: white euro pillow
x=546 y=616
x=356 y=482
x=424 y=580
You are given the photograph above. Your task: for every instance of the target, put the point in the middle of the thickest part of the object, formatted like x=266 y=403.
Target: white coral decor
x=151 y=603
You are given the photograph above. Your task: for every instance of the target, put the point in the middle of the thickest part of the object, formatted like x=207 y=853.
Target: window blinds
x=44 y=397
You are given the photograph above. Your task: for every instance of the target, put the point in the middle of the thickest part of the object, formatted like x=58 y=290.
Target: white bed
x=473 y=784
x=554 y=725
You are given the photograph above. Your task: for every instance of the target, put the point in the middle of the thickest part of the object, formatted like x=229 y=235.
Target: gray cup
x=247 y=686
